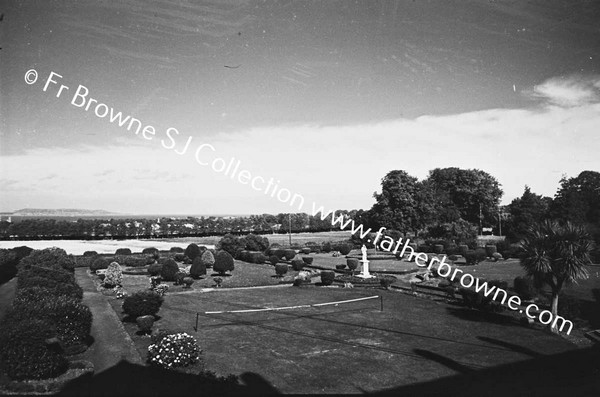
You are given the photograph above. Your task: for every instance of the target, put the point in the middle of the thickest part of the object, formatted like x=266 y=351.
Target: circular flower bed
x=175 y=350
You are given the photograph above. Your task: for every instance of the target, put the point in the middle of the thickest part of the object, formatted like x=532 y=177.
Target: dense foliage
x=223 y=262
x=142 y=303
x=173 y=351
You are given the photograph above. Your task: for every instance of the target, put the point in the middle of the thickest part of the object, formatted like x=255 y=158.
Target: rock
x=145 y=323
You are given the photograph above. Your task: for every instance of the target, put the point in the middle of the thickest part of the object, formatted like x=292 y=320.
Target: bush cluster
x=142 y=303
x=155 y=269
x=173 y=351
x=53 y=258
x=192 y=251
x=169 y=269
x=252 y=257
x=99 y=263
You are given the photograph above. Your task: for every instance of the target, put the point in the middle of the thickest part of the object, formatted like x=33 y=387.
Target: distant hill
x=60 y=212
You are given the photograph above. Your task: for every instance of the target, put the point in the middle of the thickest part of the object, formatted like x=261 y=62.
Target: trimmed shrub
x=145 y=323
x=327 y=277
x=344 y=248
x=281 y=269
x=89 y=253
x=231 y=244
x=180 y=257
x=352 y=263
x=525 y=287
x=169 y=269
x=114 y=275
x=438 y=248
x=490 y=250
x=179 y=276
x=289 y=254
x=24 y=353
x=223 y=262
x=99 y=264
x=155 y=269
x=142 y=303
x=198 y=268
x=254 y=242
x=177 y=250
x=152 y=252
x=187 y=282
x=176 y=350
x=475 y=257
x=274 y=259
x=208 y=259
x=326 y=247
x=134 y=261
x=340 y=267
x=463 y=249
x=53 y=258
x=308 y=260
x=297 y=264
x=123 y=251
x=496 y=256
x=192 y=251
x=280 y=253
x=305 y=250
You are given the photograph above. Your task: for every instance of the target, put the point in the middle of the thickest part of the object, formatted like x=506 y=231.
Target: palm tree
x=556 y=255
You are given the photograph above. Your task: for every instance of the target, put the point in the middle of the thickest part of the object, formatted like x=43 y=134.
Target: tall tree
x=556 y=255
x=464 y=192
x=578 y=200
x=525 y=211
x=396 y=206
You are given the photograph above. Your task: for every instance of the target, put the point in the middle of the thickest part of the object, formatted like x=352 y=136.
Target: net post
x=196 y=327
x=381 y=301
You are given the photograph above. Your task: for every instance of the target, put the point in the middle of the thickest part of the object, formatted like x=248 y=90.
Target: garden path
x=111 y=342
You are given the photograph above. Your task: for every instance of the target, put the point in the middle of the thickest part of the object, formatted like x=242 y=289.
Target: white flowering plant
x=160 y=289
x=174 y=350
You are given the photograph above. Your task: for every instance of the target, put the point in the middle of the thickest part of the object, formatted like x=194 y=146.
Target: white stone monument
x=365 y=264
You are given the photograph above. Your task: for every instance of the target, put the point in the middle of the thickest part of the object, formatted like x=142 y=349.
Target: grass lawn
x=349 y=348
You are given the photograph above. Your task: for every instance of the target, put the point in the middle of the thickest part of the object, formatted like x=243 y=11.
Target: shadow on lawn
x=126 y=379
x=511 y=346
x=482 y=316
x=574 y=373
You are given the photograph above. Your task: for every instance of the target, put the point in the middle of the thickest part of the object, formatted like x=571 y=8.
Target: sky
x=324 y=97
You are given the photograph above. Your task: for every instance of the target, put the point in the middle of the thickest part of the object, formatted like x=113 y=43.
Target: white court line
x=291 y=307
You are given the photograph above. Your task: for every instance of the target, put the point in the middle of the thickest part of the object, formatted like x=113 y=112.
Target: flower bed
x=367 y=282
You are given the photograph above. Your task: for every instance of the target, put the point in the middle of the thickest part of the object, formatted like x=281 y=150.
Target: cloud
x=569 y=91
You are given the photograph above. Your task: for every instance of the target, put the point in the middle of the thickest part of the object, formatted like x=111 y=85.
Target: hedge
x=142 y=303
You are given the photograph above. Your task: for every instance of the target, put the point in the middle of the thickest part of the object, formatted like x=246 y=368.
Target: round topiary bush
x=308 y=260
x=297 y=264
x=274 y=259
x=326 y=247
x=344 y=248
x=223 y=262
x=192 y=251
x=177 y=249
x=142 y=303
x=198 y=268
x=352 y=263
x=89 y=253
x=113 y=276
x=497 y=256
x=208 y=259
x=289 y=254
x=281 y=269
x=151 y=251
x=99 y=264
x=169 y=269
x=24 y=353
x=123 y=251
x=155 y=269
x=305 y=250
x=327 y=277
x=173 y=351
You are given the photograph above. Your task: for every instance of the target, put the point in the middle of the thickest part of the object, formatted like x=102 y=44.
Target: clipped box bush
x=198 y=268
x=289 y=254
x=192 y=251
x=99 y=264
x=223 y=262
x=274 y=260
x=151 y=251
x=438 y=248
x=327 y=277
x=340 y=267
x=475 y=257
x=180 y=257
x=281 y=269
x=463 y=249
x=279 y=252
x=142 y=303
x=326 y=247
x=169 y=269
x=177 y=250
x=297 y=264
x=308 y=260
x=123 y=251
x=352 y=263
x=155 y=269
x=24 y=353
x=89 y=253
x=344 y=248
x=208 y=259
x=305 y=250
x=187 y=282
x=113 y=276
